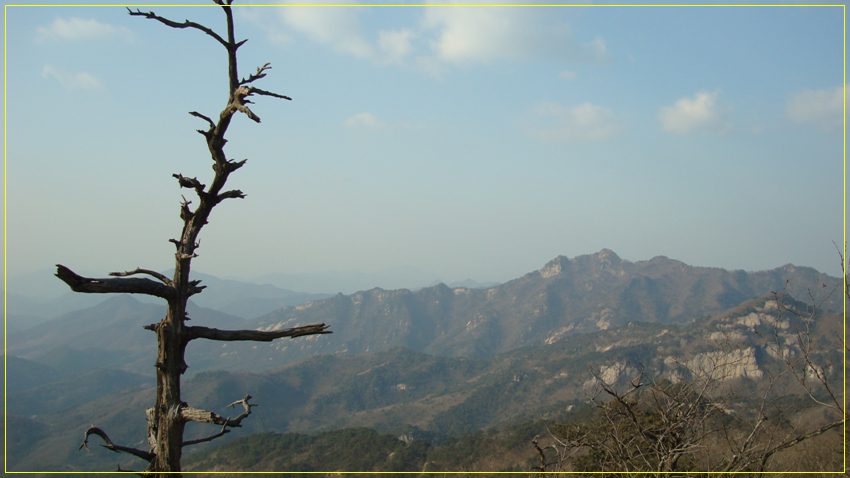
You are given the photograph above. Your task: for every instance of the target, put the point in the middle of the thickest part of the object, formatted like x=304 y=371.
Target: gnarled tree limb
x=199 y=115
x=186 y=24
x=247 y=406
x=165 y=280
x=232 y=165
x=198 y=332
x=78 y=283
x=234 y=194
x=190 y=183
x=257 y=91
x=144 y=455
x=256 y=76
x=205 y=416
x=211 y=437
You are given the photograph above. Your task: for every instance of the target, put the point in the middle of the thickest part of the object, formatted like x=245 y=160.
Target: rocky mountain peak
x=608 y=261
x=554 y=267
x=604 y=260
x=607 y=255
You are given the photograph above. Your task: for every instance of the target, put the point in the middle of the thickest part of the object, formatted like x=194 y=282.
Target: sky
x=466 y=141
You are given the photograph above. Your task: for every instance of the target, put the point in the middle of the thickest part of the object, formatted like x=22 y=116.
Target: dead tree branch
x=144 y=455
x=186 y=24
x=205 y=416
x=211 y=437
x=234 y=194
x=256 y=76
x=165 y=280
x=190 y=183
x=198 y=332
x=199 y=115
x=87 y=285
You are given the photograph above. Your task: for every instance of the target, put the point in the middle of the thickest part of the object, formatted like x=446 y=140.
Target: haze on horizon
x=468 y=142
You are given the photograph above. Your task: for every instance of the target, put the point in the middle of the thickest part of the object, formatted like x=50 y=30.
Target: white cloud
x=72 y=81
x=585 y=122
x=364 y=121
x=482 y=34
x=79 y=29
x=700 y=113
x=335 y=26
x=396 y=44
x=441 y=37
x=824 y=108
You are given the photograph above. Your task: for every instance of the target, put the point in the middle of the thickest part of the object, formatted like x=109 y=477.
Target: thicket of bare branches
x=703 y=420
x=167 y=418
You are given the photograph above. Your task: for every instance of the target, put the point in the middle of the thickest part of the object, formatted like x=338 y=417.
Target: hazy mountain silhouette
x=566 y=297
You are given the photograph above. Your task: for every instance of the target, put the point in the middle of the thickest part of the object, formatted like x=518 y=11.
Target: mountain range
x=39 y=296
x=565 y=297
x=437 y=361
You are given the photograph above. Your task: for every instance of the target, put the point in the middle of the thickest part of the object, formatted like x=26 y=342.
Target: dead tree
x=169 y=415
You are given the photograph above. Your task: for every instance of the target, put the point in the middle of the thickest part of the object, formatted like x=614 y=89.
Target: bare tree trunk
x=167 y=419
x=170 y=366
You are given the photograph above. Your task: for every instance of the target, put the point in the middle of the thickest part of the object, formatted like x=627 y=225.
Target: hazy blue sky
x=466 y=141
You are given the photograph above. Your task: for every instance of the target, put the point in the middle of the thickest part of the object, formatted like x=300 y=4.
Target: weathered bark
x=255 y=335
x=167 y=418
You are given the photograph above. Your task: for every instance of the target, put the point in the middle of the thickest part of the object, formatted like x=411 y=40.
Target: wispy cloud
x=396 y=45
x=79 y=29
x=700 y=113
x=338 y=27
x=824 y=108
x=442 y=36
x=585 y=122
x=364 y=121
x=481 y=34
x=72 y=81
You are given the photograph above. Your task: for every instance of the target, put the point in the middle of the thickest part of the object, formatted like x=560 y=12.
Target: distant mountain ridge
x=565 y=297
x=242 y=299
x=109 y=334
x=349 y=282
